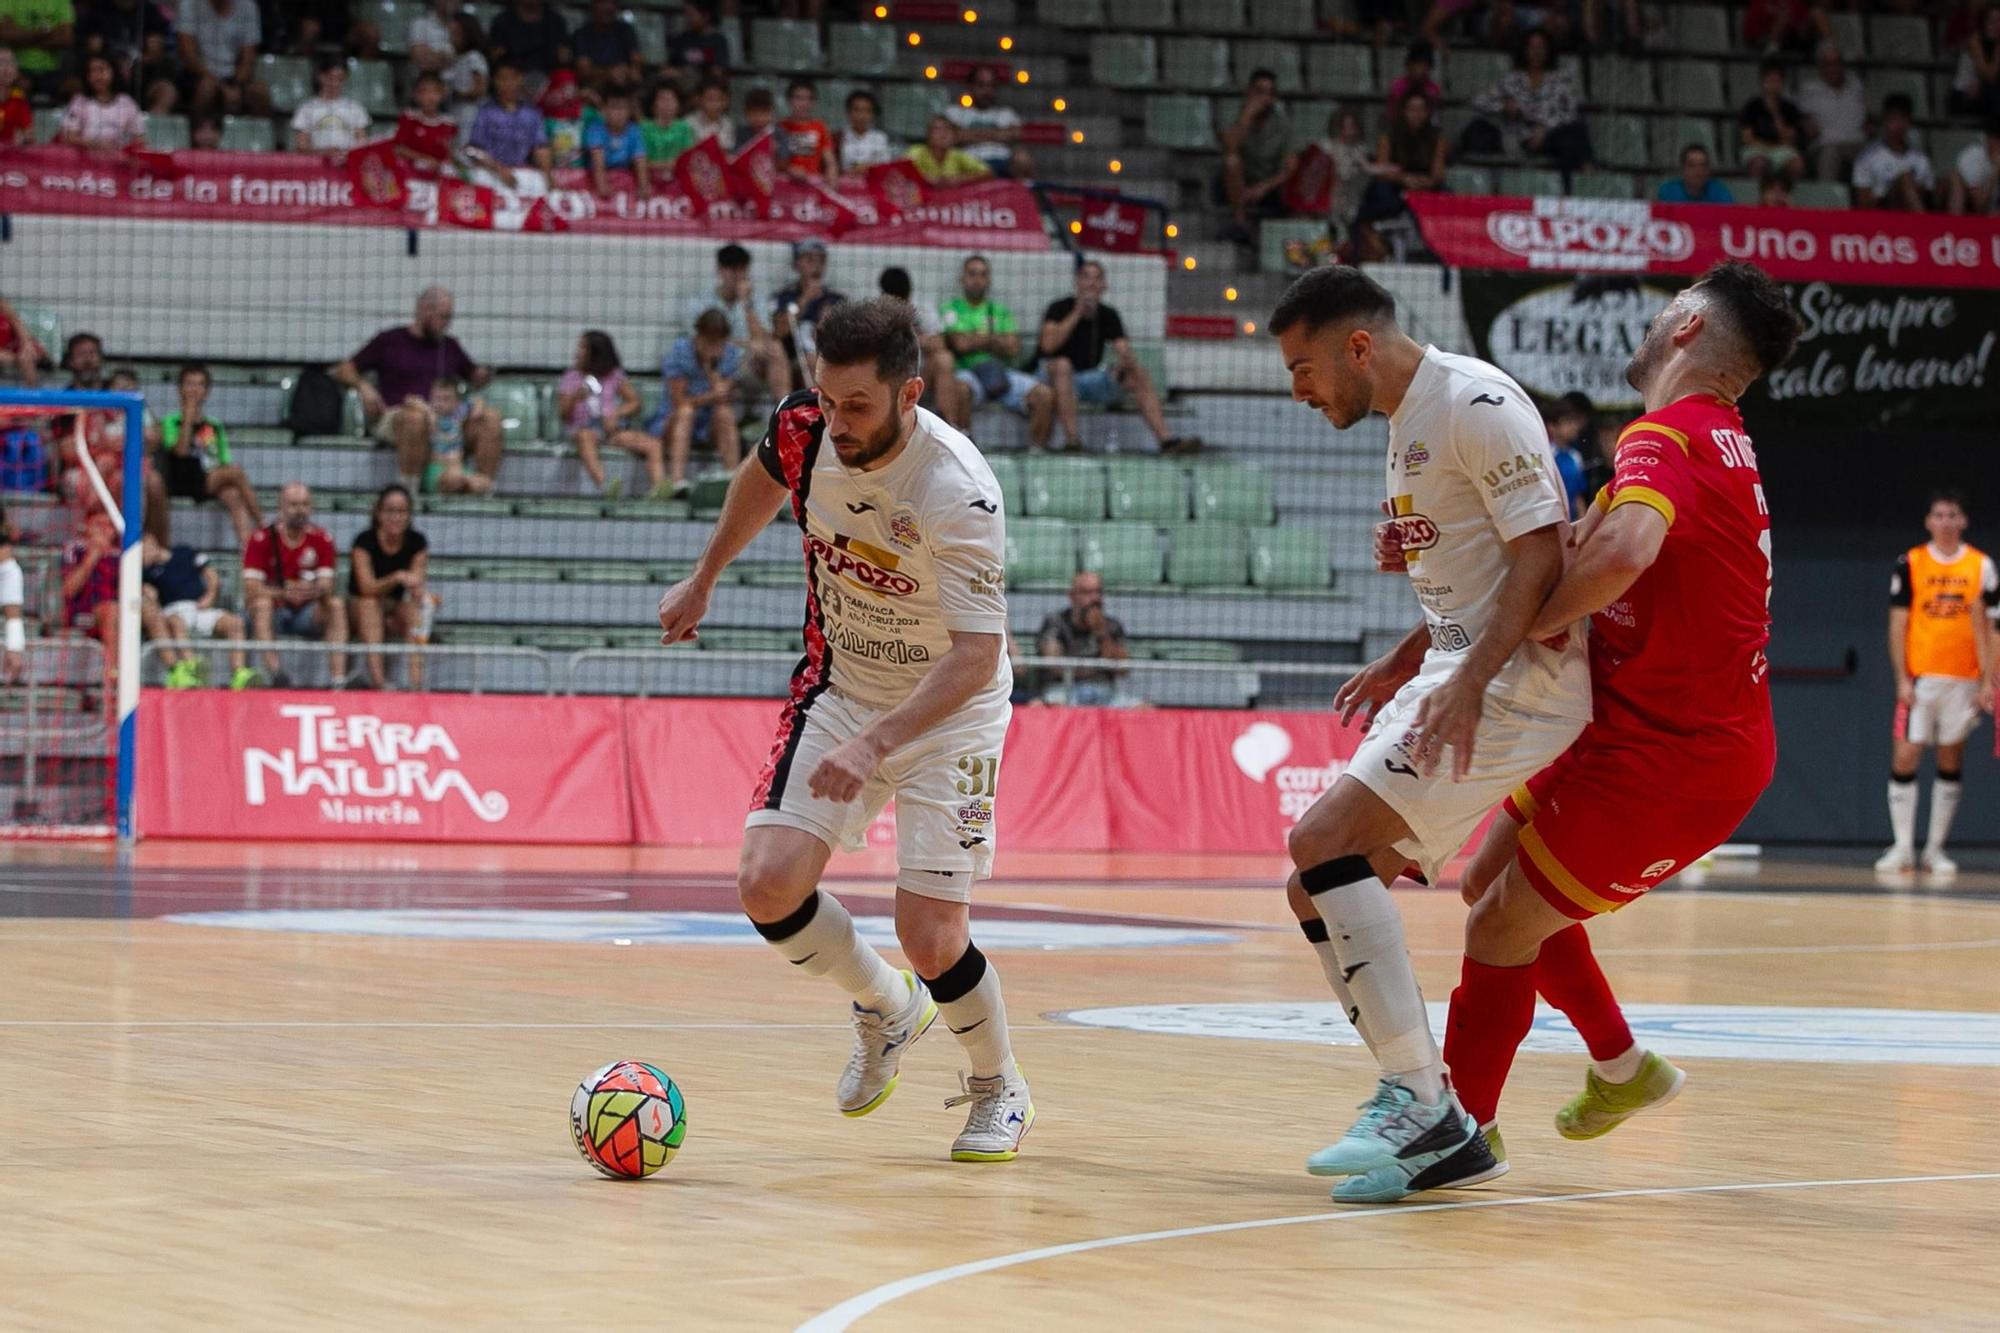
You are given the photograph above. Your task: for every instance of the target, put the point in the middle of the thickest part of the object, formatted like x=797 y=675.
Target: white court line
x=392 y=1024
x=843 y=1315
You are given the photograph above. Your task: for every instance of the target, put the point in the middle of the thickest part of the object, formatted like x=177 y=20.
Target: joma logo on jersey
x=863 y=565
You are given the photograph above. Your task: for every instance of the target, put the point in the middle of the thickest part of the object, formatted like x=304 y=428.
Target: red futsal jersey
x=1678 y=665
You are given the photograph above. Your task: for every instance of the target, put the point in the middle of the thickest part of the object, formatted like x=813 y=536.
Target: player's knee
x=1299 y=900
x=767 y=888
x=932 y=946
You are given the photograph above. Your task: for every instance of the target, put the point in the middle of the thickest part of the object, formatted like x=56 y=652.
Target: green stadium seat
x=371 y=83
x=1151 y=354
x=907 y=109
x=1283 y=18
x=1742 y=189
x=1741 y=81
x=1087 y=14
x=45 y=125
x=1534 y=182
x=1672 y=135
x=786 y=44
x=1063 y=488
x=1622 y=82
x=1040 y=551
x=1693 y=85
x=1233 y=493
x=650 y=26
x=1126 y=554
x=1008 y=473
x=519 y=403
x=722 y=640
x=1180 y=122
x=45 y=326
x=1146 y=491
x=1273 y=236
x=1468 y=180
x=1821 y=194
x=1195 y=62
x=1137 y=15
x=1193 y=650
x=705 y=499
x=1290 y=559
x=1470 y=73
x=862 y=50
x=1913 y=85
x=290 y=79
x=1848 y=34
x=1601 y=185
x=1343 y=70
x=1281 y=58
x=1900 y=37
x=248 y=134
x=1122 y=60
x=167 y=133
x=1620 y=141
x=392 y=21
x=1703 y=29
x=1225 y=16
x=1213 y=555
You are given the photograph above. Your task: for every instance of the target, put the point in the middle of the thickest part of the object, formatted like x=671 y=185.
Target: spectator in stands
x=406 y=362
x=1836 y=112
x=667 y=135
x=1346 y=146
x=426 y=138
x=20 y=351
x=17 y=112
x=1775 y=192
x=387 y=596
x=699 y=373
x=182 y=601
x=508 y=132
x=1771 y=127
x=288 y=582
x=616 y=143
x=1565 y=422
x=1409 y=155
x=102 y=118
x=1257 y=156
x=760 y=113
x=796 y=310
x=986 y=342
x=862 y=145
x=1787 y=25
x=562 y=106
x=1537 y=109
x=13 y=600
x=532 y=37
x=468 y=74
x=948 y=396
x=429 y=37
x=1076 y=332
x=83 y=358
x=1697 y=183
x=1893 y=172
x=939 y=159
x=1416 y=77
x=157 y=72
x=710 y=117
x=330 y=121
x=218 y=50
x=194 y=457
x=1082 y=629
x=1970 y=187
x=594 y=400
x=607 y=50
x=698 y=48
x=40 y=33
x=90 y=585
x=1975 y=85
x=205 y=131
x=764 y=362
x=314 y=24
x=131 y=33
x=987 y=130
x=805 y=145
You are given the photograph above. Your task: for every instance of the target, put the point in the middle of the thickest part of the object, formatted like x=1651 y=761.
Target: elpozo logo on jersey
x=1410 y=531
x=861 y=565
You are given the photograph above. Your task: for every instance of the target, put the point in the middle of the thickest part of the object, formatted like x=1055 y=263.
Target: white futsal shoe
x=1939 y=864
x=1001 y=1116
x=1898 y=860
x=879 y=1043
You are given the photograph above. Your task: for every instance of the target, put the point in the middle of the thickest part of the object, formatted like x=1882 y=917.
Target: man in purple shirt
x=406 y=361
x=508 y=132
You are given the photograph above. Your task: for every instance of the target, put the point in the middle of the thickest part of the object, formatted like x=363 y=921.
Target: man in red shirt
x=288 y=582
x=1673 y=566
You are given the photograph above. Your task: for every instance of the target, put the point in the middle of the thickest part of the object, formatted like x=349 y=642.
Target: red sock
x=1491 y=1012
x=1568 y=977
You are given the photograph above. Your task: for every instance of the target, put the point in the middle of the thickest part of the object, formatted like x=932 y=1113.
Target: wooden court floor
x=206 y=1123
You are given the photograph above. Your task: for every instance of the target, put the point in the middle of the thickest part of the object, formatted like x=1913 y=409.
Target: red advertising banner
x=372 y=767
x=1634 y=236
x=297 y=188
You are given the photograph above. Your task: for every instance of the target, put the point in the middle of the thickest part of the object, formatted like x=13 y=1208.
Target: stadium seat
x=248 y=134
x=1178 y=121
x=1600 y=185
x=1283 y=18
x=1343 y=70
x=167 y=133
x=1007 y=473
x=1848 y=34
x=1143 y=490
x=45 y=326
x=1912 y=84
x=1742 y=189
x=786 y=44
x=371 y=83
x=290 y=79
x=46 y=124
x=1215 y=555
x=907 y=109
x=392 y=21
x=519 y=403
x=1468 y=180
x=1534 y=182
x=1126 y=554
x=1224 y=16
x=1902 y=37
x=1702 y=29
x=1120 y=60
x=1194 y=62
x=1040 y=551
x=651 y=28
x=1619 y=81
x=862 y=50
x=1620 y=140
x=1088 y=14
x=1946 y=145
x=1138 y=15
x=1233 y=493
x=1675 y=133
x=1470 y=73
x=1069 y=488
x=1821 y=194
x=1692 y=85
x=1742 y=81
x=1273 y=236
x=1290 y=559
x=1281 y=58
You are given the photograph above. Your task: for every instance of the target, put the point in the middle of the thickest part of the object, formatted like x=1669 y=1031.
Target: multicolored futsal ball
x=628 y=1119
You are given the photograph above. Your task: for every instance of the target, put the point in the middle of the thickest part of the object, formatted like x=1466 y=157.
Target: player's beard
x=876 y=445
x=1346 y=408
x=1646 y=359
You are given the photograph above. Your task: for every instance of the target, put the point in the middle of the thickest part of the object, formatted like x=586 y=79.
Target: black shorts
x=185 y=476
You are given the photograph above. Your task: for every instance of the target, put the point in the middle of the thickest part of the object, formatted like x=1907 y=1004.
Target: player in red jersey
x=1673 y=567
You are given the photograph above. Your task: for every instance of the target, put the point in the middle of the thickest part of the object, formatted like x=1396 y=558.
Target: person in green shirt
x=940 y=161
x=40 y=31
x=667 y=136
x=194 y=457
x=985 y=342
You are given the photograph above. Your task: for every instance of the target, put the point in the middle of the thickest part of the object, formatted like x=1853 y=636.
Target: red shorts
x=1600 y=826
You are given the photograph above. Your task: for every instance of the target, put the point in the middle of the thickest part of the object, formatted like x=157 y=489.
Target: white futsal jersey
x=896 y=559
x=1469 y=470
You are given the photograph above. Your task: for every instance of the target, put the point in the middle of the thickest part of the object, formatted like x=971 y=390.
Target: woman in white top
x=101 y=118
x=861 y=144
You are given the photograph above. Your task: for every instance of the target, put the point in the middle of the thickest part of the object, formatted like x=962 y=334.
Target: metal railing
x=482 y=663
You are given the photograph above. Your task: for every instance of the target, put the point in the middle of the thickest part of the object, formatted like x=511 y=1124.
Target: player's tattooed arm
x=964 y=669
x=1621 y=547
x=754 y=496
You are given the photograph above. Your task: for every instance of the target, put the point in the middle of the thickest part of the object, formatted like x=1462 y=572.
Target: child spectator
x=616 y=144
x=1347 y=148
x=90 y=585
x=331 y=122
x=700 y=373
x=182 y=591
x=667 y=135
x=13 y=599
x=940 y=160
x=386 y=568
x=760 y=113
x=189 y=441
x=862 y=145
x=1771 y=127
x=805 y=145
x=102 y=118
x=562 y=107
x=424 y=134
x=205 y=131
x=17 y=113
x=446 y=472
x=594 y=400
x=508 y=133
x=1418 y=62
x=710 y=117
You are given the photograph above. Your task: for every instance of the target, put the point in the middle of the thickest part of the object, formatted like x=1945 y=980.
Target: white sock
x=976 y=1014
x=1622 y=1068
x=1944 y=807
x=1903 y=812
x=1329 y=963
x=1367 y=935
x=820 y=941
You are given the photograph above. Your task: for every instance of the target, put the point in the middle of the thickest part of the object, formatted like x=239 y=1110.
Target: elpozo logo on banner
x=361 y=769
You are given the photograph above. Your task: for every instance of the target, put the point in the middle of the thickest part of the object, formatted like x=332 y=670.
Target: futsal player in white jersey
x=902 y=693
x=1464 y=710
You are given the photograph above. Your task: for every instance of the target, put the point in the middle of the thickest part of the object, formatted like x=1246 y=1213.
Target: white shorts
x=943 y=783
x=200 y=620
x=1944 y=713
x=1019 y=386
x=1511 y=747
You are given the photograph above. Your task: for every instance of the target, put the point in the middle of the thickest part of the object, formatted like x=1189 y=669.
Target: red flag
x=154 y=160
x=1112 y=224
x=542 y=216
x=897 y=186
x=845 y=216
x=1309 y=189
x=703 y=172
x=464 y=205
x=753 y=172
x=378 y=174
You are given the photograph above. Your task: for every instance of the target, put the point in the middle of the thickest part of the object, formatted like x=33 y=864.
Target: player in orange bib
x=1941 y=597
x=1673 y=568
